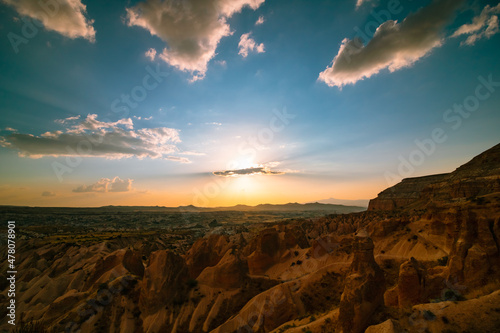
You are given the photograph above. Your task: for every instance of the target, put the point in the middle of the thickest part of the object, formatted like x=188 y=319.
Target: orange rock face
x=206 y=252
x=364 y=289
x=264 y=249
x=118 y=262
x=164 y=281
x=229 y=273
x=411 y=284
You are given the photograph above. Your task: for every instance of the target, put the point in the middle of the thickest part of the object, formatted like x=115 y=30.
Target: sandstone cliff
x=478 y=177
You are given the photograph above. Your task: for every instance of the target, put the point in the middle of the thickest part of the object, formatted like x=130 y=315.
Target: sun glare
x=243 y=163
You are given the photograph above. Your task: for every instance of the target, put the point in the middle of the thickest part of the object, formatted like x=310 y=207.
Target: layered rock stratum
x=478 y=177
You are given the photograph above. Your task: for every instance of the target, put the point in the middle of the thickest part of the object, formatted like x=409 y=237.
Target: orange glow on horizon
x=212 y=191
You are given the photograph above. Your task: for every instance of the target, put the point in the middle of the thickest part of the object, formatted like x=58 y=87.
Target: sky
x=224 y=102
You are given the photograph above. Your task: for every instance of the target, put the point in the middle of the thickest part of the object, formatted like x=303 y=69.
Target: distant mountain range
x=289 y=207
x=333 y=201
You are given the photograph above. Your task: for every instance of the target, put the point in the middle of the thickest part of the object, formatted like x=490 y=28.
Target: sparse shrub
x=313 y=318
x=429 y=315
x=453 y=295
x=445 y=320
x=192 y=283
x=299 y=262
x=479 y=201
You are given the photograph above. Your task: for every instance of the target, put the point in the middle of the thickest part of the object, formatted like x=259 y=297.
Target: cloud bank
x=394 y=45
x=248 y=172
x=66 y=17
x=192 y=29
x=107 y=185
x=484 y=25
x=93 y=138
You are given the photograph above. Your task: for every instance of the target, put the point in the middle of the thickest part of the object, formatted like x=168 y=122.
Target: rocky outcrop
x=408 y=191
x=265 y=249
x=475 y=251
x=295 y=237
x=164 y=281
x=266 y=311
x=364 y=288
x=388 y=326
x=229 y=273
x=206 y=252
x=411 y=283
x=114 y=265
x=478 y=177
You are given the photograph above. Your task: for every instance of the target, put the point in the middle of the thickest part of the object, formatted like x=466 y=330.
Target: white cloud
x=93 y=138
x=151 y=54
x=141 y=118
x=192 y=29
x=260 y=20
x=256 y=169
x=247 y=44
x=393 y=46
x=192 y=153
x=107 y=185
x=67 y=120
x=484 y=25
x=247 y=172
x=221 y=63
x=178 y=159
x=67 y=17
x=360 y=2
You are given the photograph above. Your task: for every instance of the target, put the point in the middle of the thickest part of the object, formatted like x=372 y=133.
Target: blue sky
x=254 y=101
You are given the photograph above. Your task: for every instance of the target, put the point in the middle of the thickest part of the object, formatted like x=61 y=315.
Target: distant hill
x=333 y=201
x=315 y=206
x=289 y=207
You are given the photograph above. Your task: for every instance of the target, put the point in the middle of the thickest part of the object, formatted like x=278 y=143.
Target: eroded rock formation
x=364 y=289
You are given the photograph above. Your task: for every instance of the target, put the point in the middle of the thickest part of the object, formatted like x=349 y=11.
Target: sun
x=242 y=163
